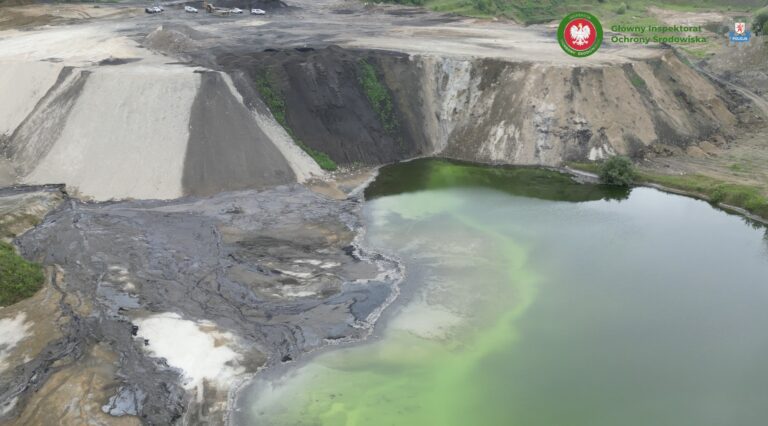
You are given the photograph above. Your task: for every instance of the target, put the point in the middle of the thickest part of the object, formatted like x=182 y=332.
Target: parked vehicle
x=190 y=9
x=153 y=9
x=258 y=12
x=236 y=10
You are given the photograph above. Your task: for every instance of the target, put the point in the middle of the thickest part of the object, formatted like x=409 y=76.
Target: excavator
x=217 y=10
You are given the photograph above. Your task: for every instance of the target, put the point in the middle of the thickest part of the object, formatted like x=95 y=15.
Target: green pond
x=532 y=300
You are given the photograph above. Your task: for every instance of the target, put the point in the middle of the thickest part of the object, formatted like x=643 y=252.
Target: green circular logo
x=580 y=34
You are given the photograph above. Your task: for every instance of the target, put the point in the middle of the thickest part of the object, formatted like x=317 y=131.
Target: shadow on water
x=533 y=182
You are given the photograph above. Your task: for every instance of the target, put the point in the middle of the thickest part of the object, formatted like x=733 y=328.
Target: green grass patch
x=276 y=104
x=750 y=198
x=609 y=12
x=19 y=278
x=272 y=98
x=322 y=159
x=697 y=53
x=377 y=95
x=738 y=167
x=637 y=81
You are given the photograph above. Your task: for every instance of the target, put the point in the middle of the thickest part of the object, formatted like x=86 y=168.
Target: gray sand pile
x=22 y=85
x=126 y=136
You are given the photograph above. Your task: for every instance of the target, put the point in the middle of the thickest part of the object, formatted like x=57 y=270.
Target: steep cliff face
x=522 y=113
x=336 y=101
x=484 y=110
x=145 y=128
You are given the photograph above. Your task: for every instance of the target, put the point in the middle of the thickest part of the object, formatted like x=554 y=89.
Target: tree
x=761 y=21
x=617 y=171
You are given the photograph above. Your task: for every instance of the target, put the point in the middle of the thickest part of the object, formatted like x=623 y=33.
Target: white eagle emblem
x=580 y=34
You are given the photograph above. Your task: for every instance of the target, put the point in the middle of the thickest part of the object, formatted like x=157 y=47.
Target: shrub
x=19 y=279
x=617 y=170
x=621 y=9
x=761 y=21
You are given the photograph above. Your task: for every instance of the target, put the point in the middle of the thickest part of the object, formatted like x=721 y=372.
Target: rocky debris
x=262 y=276
x=23 y=207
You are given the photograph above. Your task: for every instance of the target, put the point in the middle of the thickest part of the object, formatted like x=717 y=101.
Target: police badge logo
x=740 y=36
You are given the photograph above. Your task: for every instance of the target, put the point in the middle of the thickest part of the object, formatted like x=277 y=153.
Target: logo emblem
x=580 y=34
x=740 y=36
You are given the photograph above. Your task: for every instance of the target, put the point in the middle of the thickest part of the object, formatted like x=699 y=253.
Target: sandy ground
x=742 y=157
x=125 y=136
x=30 y=16
x=676 y=17
x=26 y=83
x=351 y=24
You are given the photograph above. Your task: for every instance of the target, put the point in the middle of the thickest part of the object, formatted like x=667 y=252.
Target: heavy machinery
x=223 y=11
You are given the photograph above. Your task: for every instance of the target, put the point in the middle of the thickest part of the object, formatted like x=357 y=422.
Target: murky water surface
x=533 y=301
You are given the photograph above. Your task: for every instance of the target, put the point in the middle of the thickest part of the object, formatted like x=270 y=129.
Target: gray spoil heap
x=280 y=270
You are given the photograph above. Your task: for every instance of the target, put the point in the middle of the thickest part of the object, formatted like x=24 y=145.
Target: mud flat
x=254 y=278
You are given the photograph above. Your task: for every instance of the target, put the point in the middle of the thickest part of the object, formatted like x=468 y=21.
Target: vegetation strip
x=377 y=95
x=19 y=278
x=718 y=192
x=276 y=104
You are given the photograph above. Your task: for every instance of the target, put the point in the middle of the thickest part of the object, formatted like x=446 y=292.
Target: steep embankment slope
x=134 y=126
x=375 y=107
x=112 y=119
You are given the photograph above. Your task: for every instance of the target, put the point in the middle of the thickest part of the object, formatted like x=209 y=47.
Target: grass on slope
x=608 y=11
x=750 y=198
x=377 y=95
x=276 y=104
x=19 y=279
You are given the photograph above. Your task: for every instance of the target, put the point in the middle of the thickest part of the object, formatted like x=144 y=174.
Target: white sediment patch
x=198 y=349
x=22 y=85
x=303 y=166
x=127 y=135
x=296 y=274
x=428 y=321
x=313 y=262
x=320 y=263
x=8 y=405
x=12 y=331
x=301 y=293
